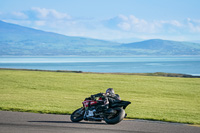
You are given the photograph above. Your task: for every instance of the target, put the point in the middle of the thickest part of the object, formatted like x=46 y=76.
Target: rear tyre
x=77 y=115
x=116 y=118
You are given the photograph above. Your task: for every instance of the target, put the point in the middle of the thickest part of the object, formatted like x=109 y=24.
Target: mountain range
x=16 y=40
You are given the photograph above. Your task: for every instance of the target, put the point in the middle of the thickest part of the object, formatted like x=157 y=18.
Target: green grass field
x=170 y=99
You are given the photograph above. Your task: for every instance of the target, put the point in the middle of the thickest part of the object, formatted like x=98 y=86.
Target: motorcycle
x=112 y=113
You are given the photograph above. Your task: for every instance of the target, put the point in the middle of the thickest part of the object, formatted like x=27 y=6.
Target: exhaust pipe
x=95 y=119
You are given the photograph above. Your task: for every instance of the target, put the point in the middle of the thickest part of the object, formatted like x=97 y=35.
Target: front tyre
x=115 y=118
x=77 y=115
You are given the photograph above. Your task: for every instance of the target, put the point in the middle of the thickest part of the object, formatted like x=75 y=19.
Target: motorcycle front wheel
x=115 y=118
x=77 y=115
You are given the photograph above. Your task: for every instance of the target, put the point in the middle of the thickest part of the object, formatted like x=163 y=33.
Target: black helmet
x=110 y=91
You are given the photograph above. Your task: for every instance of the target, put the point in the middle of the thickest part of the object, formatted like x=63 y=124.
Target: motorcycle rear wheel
x=116 y=118
x=77 y=115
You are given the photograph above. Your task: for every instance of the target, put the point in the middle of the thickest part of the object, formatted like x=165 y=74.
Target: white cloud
x=124 y=26
x=118 y=27
x=171 y=22
x=13 y=15
x=43 y=13
x=40 y=23
x=193 y=25
x=132 y=24
x=19 y=15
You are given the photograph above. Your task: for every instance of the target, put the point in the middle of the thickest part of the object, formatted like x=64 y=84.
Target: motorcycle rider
x=104 y=99
x=107 y=97
x=111 y=94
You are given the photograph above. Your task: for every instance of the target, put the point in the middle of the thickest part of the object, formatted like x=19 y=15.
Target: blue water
x=184 y=65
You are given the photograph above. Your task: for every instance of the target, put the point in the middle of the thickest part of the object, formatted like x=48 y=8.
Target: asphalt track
x=18 y=122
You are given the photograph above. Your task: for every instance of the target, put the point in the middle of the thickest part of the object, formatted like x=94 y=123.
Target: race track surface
x=18 y=122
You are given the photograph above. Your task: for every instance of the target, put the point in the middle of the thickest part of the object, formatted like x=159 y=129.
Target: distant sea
x=183 y=65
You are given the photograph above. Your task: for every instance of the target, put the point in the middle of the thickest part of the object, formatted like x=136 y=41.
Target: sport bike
x=93 y=110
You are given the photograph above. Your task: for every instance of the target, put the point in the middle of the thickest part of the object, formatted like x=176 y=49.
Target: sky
x=114 y=20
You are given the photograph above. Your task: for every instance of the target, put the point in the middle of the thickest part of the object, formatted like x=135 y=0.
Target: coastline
x=162 y=74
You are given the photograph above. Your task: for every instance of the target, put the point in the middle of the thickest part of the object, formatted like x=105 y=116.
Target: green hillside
x=165 y=47
x=17 y=40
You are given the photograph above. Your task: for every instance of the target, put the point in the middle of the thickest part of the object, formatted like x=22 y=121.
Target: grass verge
x=171 y=99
